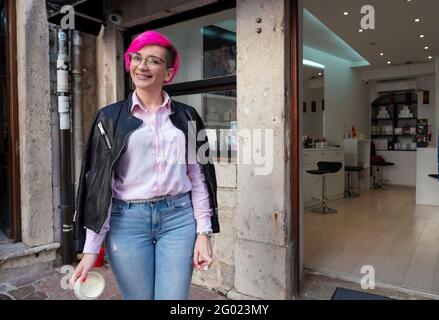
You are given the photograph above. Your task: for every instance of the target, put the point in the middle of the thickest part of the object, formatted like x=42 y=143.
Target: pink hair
x=148 y=38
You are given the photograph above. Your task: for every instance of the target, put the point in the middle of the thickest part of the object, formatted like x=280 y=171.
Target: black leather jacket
x=109 y=132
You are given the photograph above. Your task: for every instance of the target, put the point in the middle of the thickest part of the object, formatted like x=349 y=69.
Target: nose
x=143 y=66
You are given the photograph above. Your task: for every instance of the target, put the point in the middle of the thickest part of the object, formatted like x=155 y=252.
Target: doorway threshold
x=321 y=285
x=16 y=254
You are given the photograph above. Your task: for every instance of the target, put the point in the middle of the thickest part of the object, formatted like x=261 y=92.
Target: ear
x=169 y=74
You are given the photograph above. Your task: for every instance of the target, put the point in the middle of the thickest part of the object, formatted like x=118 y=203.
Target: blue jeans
x=150 y=248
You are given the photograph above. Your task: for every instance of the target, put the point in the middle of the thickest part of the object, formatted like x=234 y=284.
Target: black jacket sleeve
x=78 y=220
x=209 y=173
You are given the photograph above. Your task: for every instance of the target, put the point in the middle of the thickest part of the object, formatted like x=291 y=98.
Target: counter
x=330 y=148
x=403 y=173
x=427 y=188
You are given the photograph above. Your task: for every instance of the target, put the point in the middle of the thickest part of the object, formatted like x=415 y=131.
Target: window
x=207 y=76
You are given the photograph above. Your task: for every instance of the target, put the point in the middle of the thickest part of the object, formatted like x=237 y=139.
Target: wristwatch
x=205 y=233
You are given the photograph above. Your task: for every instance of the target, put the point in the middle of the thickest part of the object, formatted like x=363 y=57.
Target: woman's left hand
x=203 y=253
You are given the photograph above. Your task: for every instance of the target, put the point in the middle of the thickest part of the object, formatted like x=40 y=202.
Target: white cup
x=92 y=288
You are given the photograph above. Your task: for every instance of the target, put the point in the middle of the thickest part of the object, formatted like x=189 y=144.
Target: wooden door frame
x=294 y=87
x=14 y=157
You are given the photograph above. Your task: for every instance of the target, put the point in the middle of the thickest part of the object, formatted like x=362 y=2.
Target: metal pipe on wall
x=66 y=203
x=56 y=180
x=78 y=127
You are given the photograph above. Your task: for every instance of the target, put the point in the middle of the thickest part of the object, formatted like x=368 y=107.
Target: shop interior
x=370 y=132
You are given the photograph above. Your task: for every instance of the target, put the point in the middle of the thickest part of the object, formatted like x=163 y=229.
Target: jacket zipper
x=103 y=133
x=114 y=161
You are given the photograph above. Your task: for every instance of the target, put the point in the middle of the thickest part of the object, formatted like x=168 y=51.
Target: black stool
x=380 y=166
x=379 y=162
x=325 y=168
x=350 y=169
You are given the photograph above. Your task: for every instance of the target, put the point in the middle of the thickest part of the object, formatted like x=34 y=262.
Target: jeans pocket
x=181 y=203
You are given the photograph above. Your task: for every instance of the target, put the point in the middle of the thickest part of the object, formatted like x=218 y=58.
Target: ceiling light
x=417 y=20
x=313 y=64
x=361 y=30
x=430 y=57
x=381 y=54
x=320 y=73
x=389 y=62
x=421 y=36
x=426 y=48
x=346 y=13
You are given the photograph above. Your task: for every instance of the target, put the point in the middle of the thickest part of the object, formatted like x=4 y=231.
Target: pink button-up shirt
x=153 y=164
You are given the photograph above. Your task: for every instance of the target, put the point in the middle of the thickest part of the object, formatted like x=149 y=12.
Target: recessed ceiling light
x=426 y=48
x=421 y=36
x=430 y=57
x=417 y=20
x=320 y=73
x=361 y=30
x=389 y=62
x=381 y=54
x=346 y=13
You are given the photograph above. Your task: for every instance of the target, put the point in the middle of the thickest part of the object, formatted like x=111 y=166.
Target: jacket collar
x=129 y=102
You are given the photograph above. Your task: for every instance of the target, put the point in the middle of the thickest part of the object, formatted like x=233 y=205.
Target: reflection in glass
x=219 y=51
x=313 y=103
x=218 y=111
x=207 y=46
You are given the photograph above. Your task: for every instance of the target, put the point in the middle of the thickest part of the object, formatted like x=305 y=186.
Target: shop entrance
x=379 y=121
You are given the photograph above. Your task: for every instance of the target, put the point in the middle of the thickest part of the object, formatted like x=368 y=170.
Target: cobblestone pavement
x=46 y=285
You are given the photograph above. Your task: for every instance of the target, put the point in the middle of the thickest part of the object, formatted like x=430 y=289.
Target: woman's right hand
x=85 y=265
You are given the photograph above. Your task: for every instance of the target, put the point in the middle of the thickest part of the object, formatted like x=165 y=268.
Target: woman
x=138 y=192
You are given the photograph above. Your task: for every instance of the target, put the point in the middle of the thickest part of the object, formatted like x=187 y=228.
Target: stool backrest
x=332 y=167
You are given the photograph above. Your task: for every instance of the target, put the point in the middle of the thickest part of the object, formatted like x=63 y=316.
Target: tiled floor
x=381 y=228
x=51 y=284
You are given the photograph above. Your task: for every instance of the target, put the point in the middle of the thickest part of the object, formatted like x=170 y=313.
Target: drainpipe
x=78 y=128
x=66 y=201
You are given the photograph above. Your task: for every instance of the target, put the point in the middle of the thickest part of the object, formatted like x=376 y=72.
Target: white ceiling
x=318 y=36
x=311 y=73
x=396 y=33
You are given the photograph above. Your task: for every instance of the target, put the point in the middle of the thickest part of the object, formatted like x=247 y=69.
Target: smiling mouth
x=143 y=77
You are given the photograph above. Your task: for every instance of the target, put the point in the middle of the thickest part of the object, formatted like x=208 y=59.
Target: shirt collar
x=136 y=101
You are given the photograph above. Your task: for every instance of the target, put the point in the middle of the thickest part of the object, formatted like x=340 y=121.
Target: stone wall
x=34 y=123
x=262 y=254
x=221 y=276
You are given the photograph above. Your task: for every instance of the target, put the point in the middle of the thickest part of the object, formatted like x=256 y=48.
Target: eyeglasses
x=136 y=59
